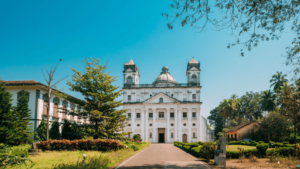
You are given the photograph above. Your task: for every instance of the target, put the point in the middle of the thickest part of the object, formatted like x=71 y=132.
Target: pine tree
x=54 y=131
x=42 y=131
x=95 y=84
x=7 y=118
x=23 y=130
x=67 y=132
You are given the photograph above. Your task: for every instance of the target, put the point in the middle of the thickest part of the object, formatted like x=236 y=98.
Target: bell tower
x=131 y=73
x=193 y=72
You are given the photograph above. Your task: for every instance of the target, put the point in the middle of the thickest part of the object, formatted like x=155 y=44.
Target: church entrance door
x=161 y=135
x=184 y=138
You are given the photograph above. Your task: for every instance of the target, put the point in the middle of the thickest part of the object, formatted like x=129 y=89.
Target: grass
x=50 y=158
x=235 y=147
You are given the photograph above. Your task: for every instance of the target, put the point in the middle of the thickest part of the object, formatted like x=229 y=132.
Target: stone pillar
x=142 y=126
x=168 y=126
x=175 y=124
x=146 y=124
x=179 y=136
x=132 y=121
x=198 y=125
x=189 y=116
x=154 y=126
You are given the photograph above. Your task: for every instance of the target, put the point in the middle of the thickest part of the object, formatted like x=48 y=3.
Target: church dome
x=165 y=76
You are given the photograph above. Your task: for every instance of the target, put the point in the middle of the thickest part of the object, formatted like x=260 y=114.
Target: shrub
x=260 y=142
x=201 y=143
x=288 y=145
x=207 y=150
x=98 y=144
x=247 y=143
x=13 y=156
x=262 y=148
x=192 y=145
x=285 y=142
x=277 y=145
x=195 y=151
x=237 y=154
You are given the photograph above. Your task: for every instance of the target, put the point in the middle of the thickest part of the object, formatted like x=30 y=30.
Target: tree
x=7 y=122
x=50 y=91
x=277 y=81
x=54 y=131
x=41 y=131
x=216 y=121
x=22 y=114
x=276 y=125
x=242 y=18
x=95 y=84
x=230 y=108
x=268 y=99
x=290 y=101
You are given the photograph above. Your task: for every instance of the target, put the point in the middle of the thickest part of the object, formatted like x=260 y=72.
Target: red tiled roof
x=240 y=126
x=21 y=82
x=29 y=83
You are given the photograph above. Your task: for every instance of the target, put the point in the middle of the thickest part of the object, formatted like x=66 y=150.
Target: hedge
x=98 y=144
x=236 y=154
x=283 y=151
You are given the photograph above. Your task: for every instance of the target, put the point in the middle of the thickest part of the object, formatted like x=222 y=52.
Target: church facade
x=165 y=111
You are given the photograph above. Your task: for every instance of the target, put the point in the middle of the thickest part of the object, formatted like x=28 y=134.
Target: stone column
x=179 y=125
x=142 y=126
x=168 y=126
x=198 y=125
x=175 y=124
x=154 y=126
x=146 y=124
x=132 y=121
x=189 y=115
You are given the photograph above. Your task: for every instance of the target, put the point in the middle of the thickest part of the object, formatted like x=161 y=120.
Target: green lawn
x=49 y=158
x=235 y=147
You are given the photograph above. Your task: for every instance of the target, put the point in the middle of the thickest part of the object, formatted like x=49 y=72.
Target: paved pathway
x=164 y=156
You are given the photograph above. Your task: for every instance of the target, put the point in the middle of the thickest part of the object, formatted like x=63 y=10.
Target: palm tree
x=277 y=81
x=231 y=108
x=268 y=101
x=222 y=112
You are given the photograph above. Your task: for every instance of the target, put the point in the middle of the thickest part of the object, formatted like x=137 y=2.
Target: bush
x=207 y=151
x=195 y=151
x=192 y=145
x=98 y=144
x=237 y=154
x=286 y=142
x=283 y=151
x=262 y=148
x=13 y=156
x=288 y=145
x=201 y=143
x=260 y=142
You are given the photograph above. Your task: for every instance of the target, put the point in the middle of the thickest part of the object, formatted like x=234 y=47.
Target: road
x=164 y=156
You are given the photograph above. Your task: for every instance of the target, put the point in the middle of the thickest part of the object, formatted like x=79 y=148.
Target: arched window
x=72 y=116
x=129 y=80
x=64 y=115
x=161 y=100
x=45 y=105
x=23 y=93
x=194 y=78
x=55 y=110
x=150 y=135
x=194 y=135
x=129 y=98
x=171 y=135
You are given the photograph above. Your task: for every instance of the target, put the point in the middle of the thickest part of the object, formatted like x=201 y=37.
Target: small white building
x=165 y=111
x=37 y=96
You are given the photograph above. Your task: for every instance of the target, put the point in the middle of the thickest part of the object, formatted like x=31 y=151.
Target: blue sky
x=36 y=34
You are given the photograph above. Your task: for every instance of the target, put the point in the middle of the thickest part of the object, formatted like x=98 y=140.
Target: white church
x=165 y=111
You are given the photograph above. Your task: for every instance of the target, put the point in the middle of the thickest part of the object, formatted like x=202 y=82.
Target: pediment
x=193 y=68
x=128 y=70
x=166 y=99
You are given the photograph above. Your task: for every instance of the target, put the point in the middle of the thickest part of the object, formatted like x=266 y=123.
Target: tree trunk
x=295 y=123
x=48 y=109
